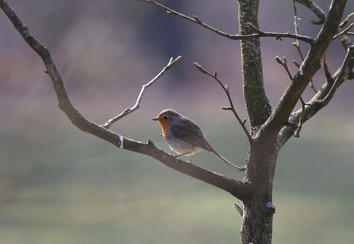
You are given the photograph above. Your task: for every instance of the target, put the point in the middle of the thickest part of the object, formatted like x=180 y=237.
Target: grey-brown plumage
x=184 y=136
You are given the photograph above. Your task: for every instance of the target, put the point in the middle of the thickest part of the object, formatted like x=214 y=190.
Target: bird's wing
x=190 y=132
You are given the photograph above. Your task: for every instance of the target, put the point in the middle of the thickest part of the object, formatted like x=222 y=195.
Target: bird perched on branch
x=184 y=136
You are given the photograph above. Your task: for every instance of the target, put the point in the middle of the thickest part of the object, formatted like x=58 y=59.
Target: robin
x=184 y=136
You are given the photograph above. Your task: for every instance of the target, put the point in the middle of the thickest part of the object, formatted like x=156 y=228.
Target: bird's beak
x=155 y=119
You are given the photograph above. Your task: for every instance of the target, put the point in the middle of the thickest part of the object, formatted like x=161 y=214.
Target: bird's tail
x=243 y=168
x=227 y=162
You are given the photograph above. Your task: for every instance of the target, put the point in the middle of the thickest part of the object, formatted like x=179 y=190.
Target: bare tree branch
x=297 y=46
x=298 y=66
x=238 y=188
x=232 y=107
x=326 y=70
x=258 y=34
x=283 y=62
x=342 y=76
x=319 y=101
x=309 y=66
x=315 y=9
x=144 y=87
x=193 y=19
x=302 y=118
x=276 y=35
x=345 y=31
x=344 y=39
x=297 y=43
x=346 y=21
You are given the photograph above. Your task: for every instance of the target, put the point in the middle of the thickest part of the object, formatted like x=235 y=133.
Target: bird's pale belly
x=182 y=147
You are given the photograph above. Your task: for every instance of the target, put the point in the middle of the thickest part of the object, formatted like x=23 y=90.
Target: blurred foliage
x=59 y=185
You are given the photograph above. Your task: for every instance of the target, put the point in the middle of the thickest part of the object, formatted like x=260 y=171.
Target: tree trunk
x=257 y=103
x=258 y=209
x=257 y=221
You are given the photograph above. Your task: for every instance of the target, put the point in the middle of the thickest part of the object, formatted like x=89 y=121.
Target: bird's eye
x=165 y=117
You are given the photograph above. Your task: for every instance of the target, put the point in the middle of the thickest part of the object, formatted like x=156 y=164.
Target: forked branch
x=258 y=33
x=297 y=43
x=226 y=90
x=344 y=39
x=342 y=76
x=283 y=62
x=321 y=99
x=308 y=68
x=278 y=35
x=315 y=9
x=345 y=31
x=140 y=97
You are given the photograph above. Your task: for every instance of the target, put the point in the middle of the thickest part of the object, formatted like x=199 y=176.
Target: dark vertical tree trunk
x=258 y=210
x=258 y=207
x=257 y=222
x=257 y=103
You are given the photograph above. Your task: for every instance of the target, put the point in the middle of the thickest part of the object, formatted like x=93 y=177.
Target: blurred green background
x=60 y=185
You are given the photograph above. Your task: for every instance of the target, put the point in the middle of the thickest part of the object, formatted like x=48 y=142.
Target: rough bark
x=261 y=162
x=258 y=213
x=259 y=209
x=252 y=72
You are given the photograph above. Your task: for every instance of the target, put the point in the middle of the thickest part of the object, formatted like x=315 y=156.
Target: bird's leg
x=182 y=154
x=190 y=160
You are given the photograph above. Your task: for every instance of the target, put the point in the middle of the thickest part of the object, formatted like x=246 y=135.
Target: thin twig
x=344 y=39
x=283 y=62
x=326 y=70
x=258 y=34
x=277 y=35
x=143 y=88
x=345 y=31
x=193 y=19
x=296 y=26
x=297 y=43
x=338 y=81
x=313 y=87
x=315 y=9
x=226 y=89
x=346 y=20
x=302 y=118
x=341 y=76
x=239 y=208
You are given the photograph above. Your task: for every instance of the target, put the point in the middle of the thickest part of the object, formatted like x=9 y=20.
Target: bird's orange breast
x=164 y=126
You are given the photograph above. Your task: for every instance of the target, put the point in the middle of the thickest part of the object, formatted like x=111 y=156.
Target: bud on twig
x=278 y=59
